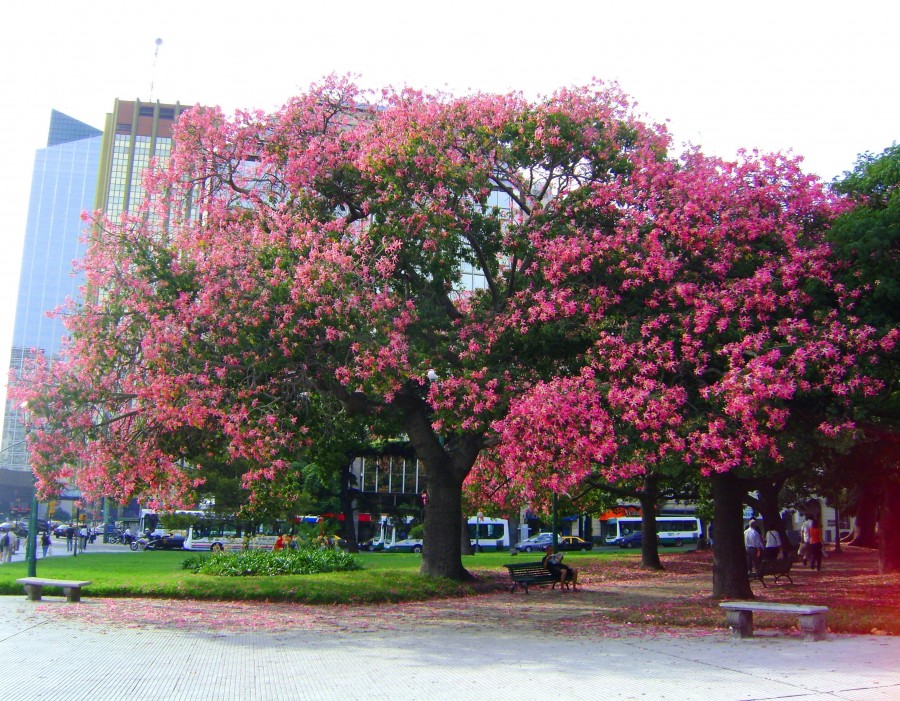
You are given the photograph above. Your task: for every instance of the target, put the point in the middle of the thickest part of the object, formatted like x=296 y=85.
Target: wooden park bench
x=34 y=587
x=739 y=615
x=777 y=569
x=524 y=574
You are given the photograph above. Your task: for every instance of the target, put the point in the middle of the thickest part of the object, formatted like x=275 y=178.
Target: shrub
x=250 y=563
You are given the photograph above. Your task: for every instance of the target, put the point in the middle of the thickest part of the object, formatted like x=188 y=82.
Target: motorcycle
x=140 y=543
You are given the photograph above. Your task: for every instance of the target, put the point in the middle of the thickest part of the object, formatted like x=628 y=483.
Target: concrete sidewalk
x=45 y=654
x=58 y=549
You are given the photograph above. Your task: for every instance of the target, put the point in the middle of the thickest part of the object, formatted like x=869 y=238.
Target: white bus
x=489 y=533
x=484 y=533
x=228 y=534
x=670 y=530
x=155 y=523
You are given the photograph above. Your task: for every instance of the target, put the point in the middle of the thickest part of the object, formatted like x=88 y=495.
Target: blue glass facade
x=65 y=129
x=62 y=187
x=64 y=182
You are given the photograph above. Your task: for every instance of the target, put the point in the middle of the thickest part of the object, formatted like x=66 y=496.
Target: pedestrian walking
x=70 y=536
x=815 y=545
x=46 y=543
x=8 y=543
x=753 y=543
x=83 y=536
x=803 y=551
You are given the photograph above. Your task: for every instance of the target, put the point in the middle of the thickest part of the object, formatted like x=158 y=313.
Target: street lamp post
x=478 y=518
x=555 y=522
x=31 y=543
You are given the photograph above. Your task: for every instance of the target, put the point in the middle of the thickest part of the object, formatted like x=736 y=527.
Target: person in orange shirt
x=279 y=543
x=815 y=546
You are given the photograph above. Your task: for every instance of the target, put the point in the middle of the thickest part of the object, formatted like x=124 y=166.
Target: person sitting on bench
x=555 y=565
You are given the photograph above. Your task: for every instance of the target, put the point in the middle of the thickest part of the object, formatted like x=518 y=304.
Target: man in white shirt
x=753 y=542
x=9 y=544
x=804 y=538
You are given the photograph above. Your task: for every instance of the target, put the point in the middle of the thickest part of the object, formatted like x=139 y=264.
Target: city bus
x=154 y=523
x=485 y=534
x=670 y=530
x=229 y=534
x=489 y=533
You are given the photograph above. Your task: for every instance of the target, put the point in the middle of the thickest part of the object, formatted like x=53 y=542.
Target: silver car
x=535 y=542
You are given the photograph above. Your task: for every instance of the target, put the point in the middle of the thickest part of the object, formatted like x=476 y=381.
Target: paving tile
x=46 y=656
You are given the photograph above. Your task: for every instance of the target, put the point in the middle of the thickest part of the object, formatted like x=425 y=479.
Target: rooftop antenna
x=153 y=72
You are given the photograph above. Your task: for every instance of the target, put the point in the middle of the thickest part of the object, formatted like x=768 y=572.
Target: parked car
x=372 y=545
x=166 y=542
x=20 y=528
x=632 y=540
x=60 y=530
x=535 y=542
x=407 y=545
x=573 y=542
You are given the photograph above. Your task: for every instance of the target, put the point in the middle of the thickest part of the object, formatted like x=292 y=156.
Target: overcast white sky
x=817 y=78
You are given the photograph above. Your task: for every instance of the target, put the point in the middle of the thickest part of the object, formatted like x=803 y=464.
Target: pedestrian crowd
x=9 y=544
x=759 y=548
x=79 y=538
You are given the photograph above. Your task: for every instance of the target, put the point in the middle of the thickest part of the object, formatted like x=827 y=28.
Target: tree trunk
x=648 y=497
x=730 y=579
x=837 y=531
x=446 y=465
x=349 y=528
x=866 y=518
x=889 y=529
x=770 y=511
x=442 y=554
x=465 y=543
x=444 y=517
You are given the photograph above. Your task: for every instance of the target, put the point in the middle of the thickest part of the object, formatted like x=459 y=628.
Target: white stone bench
x=34 y=587
x=739 y=615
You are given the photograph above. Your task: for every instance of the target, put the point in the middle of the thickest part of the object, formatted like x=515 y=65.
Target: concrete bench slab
x=739 y=615
x=34 y=587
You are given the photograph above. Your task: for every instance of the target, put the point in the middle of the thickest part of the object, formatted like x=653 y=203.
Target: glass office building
x=63 y=185
x=81 y=169
x=135 y=133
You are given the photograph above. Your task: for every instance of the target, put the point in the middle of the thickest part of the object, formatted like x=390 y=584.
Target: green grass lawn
x=385 y=577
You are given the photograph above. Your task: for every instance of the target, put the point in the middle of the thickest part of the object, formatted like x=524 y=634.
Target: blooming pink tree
x=445 y=265
x=719 y=330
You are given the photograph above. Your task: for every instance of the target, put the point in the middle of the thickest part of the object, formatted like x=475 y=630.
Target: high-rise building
x=63 y=185
x=81 y=169
x=135 y=132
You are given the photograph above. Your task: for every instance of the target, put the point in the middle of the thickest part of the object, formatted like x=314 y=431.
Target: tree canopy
x=869 y=236
x=478 y=272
